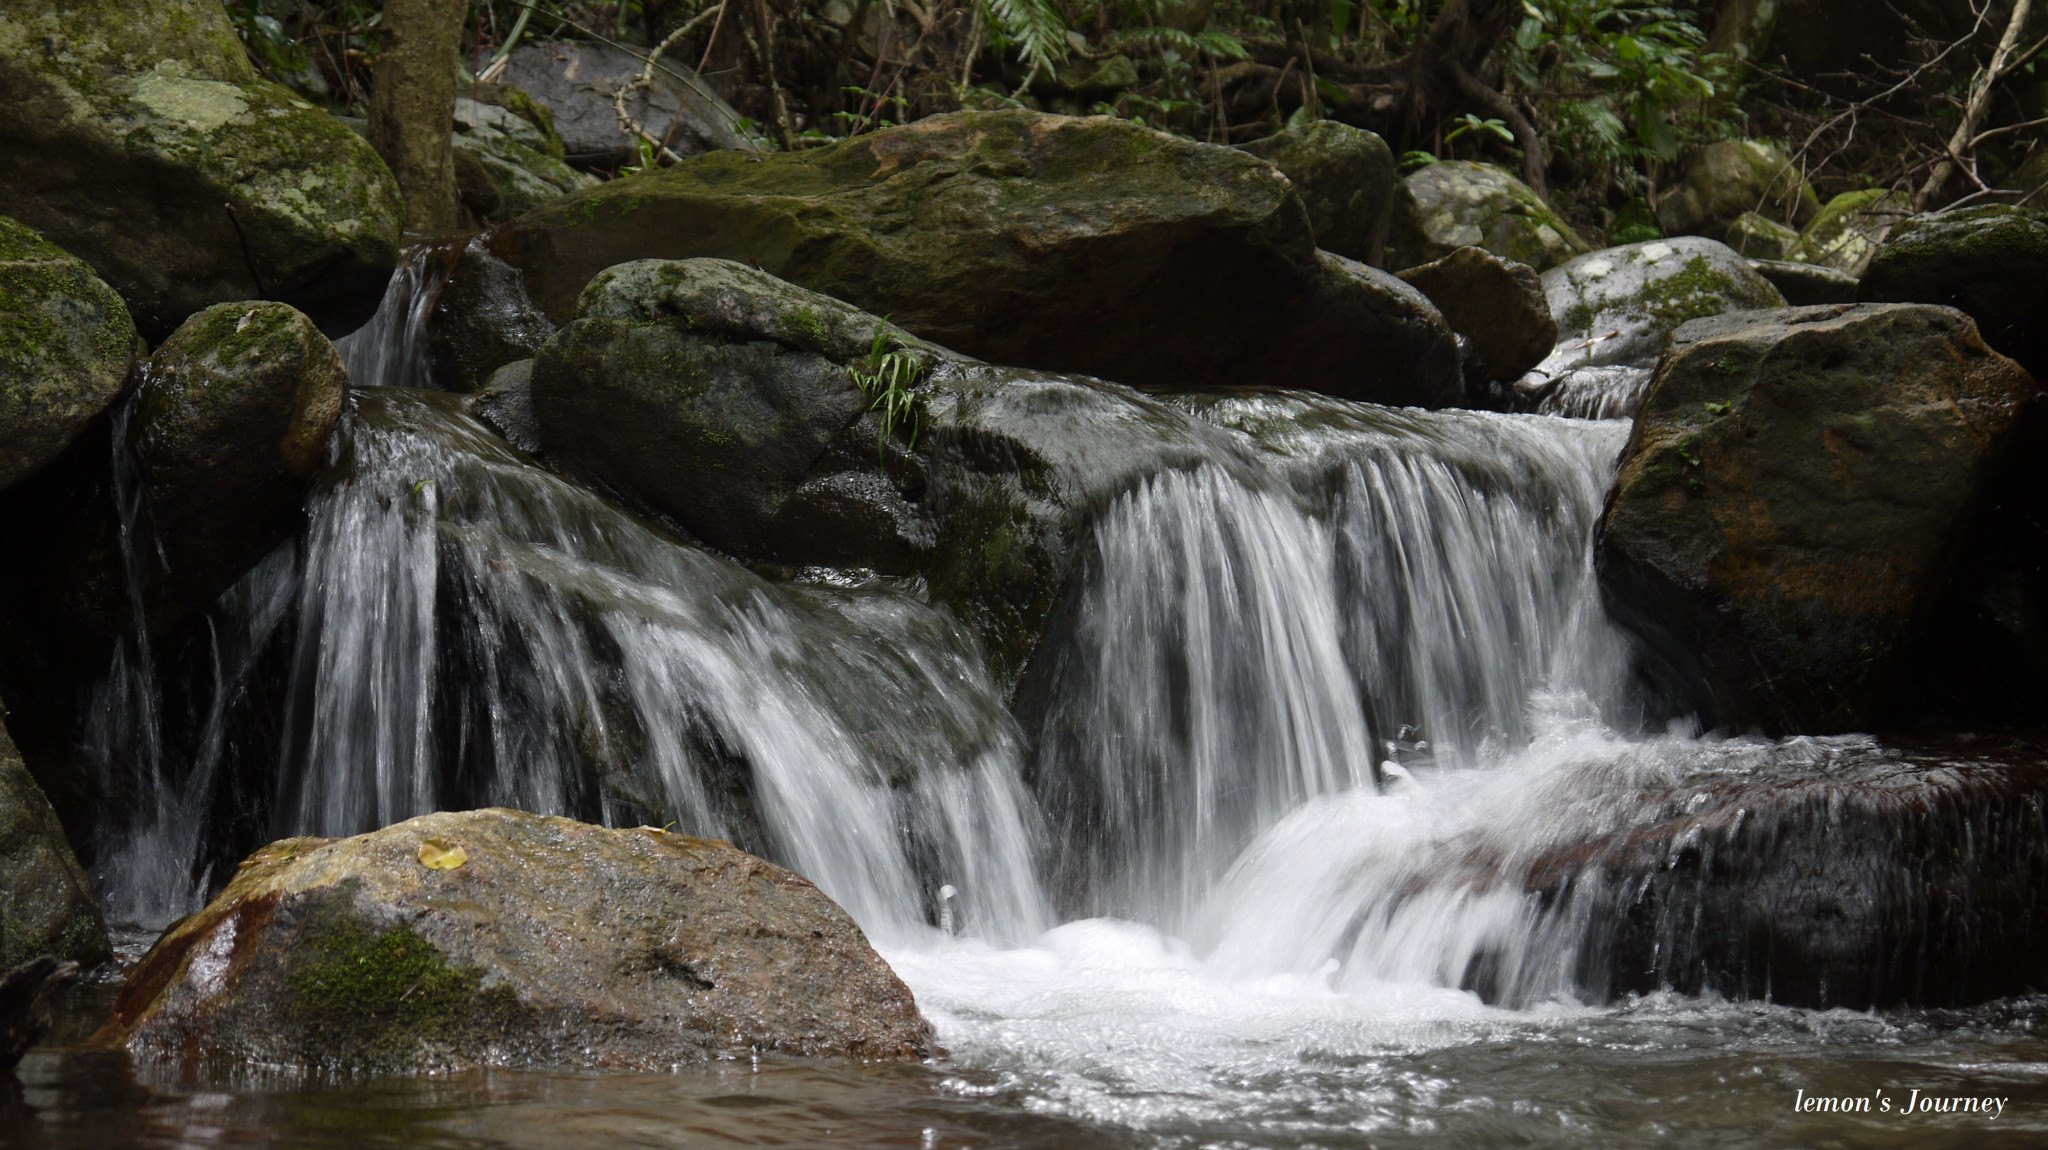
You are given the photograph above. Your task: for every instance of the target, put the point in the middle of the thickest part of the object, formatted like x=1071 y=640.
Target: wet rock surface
x=1989 y=261
x=47 y=906
x=1073 y=245
x=125 y=129
x=1457 y=204
x=1497 y=304
x=482 y=318
x=499 y=938
x=1345 y=177
x=66 y=350
x=231 y=422
x=1787 y=507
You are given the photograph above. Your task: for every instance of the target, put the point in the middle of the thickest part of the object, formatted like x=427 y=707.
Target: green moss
x=1694 y=292
x=805 y=322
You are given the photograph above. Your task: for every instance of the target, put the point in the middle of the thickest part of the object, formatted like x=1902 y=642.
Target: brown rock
x=1496 y=303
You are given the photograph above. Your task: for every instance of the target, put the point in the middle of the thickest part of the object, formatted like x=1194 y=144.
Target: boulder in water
x=46 y=902
x=1729 y=178
x=482 y=318
x=66 y=350
x=1497 y=304
x=1074 y=245
x=1990 y=261
x=139 y=138
x=232 y=420
x=500 y=938
x=1617 y=308
x=28 y=999
x=505 y=402
x=1345 y=177
x=575 y=81
x=1456 y=204
x=1788 y=506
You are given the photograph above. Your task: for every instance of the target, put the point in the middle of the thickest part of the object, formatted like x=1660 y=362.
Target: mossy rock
x=139 y=138
x=1788 y=505
x=1990 y=261
x=46 y=901
x=1729 y=178
x=1457 y=204
x=1089 y=246
x=1850 y=229
x=507 y=161
x=1760 y=237
x=1345 y=177
x=548 y=943
x=66 y=350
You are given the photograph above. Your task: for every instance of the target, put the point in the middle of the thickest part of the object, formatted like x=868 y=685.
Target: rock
x=574 y=81
x=500 y=938
x=139 y=138
x=1455 y=204
x=1760 y=238
x=1091 y=79
x=1616 y=310
x=1787 y=507
x=1497 y=304
x=1848 y=231
x=1345 y=177
x=1835 y=874
x=232 y=420
x=1729 y=178
x=505 y=402
x=46 y=902
x=482 y=318
x=66 y=350
x=1805 y=284
x=28 y=999
x=1074 y=245
x=507 y=164
x=1990 y=261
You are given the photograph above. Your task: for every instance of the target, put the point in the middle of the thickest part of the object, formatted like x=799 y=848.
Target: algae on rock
x=66 y=350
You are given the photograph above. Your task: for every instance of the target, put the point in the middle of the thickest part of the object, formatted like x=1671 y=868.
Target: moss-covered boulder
x=1457 y=204
x=1078 y=245
x=232 y=420
x=1345 y=177
x=1990 y=261
x=1728 y=178
x=1497 y=305
x=506 y=162
x=1760 y=237
x=1849 y=230
x=1806 y=284
x=139 y=138
x=500 y=938
x=1788 y=506
x=66 y=349
x=46 y=901
x=1616 y=310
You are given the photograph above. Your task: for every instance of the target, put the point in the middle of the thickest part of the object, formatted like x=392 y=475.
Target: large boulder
x=1990 y=261
x=66 y=350
x=481 y=318
x=139 y=138
x=1728 y=178
x=232 y=420
x=575 y=81
x=1788 y=506
x=1497 y=305
x=500 y=938
x=1075 y=245
x=46 y=901
x=1345 y=177
x=1616 y=310
x=1443 y=207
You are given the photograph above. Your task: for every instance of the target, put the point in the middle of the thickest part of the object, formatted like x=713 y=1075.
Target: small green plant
x=1415 y=161
x=1471 y=123
x=887 y=376
x=646 y=150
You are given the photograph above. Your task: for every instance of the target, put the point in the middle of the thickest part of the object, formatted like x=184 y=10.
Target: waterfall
x=391 y=349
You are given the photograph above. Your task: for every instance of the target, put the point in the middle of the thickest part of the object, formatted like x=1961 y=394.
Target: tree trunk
x=412 y=108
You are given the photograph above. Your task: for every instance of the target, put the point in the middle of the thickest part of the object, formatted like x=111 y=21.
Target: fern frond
x=1036 y=27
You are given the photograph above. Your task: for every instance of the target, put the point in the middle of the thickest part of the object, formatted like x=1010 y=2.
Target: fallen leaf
x=440 y=854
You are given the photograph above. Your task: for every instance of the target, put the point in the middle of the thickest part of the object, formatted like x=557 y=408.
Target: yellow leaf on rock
x=440 y=854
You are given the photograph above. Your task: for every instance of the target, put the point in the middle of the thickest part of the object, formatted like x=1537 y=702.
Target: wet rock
x=139 y=138
x=481 y=316
x=1840 y=874
x=1787 y=507
x=1729 y=178
x=1345 y=177
x=66 y=350
x=1806 y=284
x=1497 y=304
x=500 y=938
x=46 y=902
x=232 y=420
x=575 y=81
x=1456 y=204
x=505 y=402
x=1075 y=245
x=1616 y=310
x=1990 y=261
x=28 y=999
x=506 y=163
x=1760 y=238
x=1849 y=230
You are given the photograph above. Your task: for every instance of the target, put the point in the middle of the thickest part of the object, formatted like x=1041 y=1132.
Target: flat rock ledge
x=501 y=938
